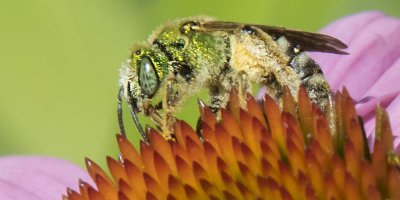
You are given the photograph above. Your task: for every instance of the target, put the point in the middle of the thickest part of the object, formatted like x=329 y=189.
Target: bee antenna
x=119 y=111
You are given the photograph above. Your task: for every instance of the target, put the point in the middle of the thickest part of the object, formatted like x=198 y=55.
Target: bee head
x=142 y=76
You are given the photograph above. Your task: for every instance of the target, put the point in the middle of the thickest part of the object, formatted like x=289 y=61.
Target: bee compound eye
x=148 y=79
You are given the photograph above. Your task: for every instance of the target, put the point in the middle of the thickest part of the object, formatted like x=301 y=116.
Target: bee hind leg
x=219 y=97
x=273 y=88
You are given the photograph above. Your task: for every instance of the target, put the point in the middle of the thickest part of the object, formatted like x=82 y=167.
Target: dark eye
x=148 y=79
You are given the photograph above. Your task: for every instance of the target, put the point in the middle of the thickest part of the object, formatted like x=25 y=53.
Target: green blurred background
x=60 y=60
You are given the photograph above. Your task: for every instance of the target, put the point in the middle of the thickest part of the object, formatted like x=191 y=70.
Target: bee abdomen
x=302 y=64
x=312 y=78
x=318 y=89
x=308 y=70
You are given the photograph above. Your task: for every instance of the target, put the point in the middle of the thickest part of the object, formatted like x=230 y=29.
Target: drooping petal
x=37 y=177
x=394 y=113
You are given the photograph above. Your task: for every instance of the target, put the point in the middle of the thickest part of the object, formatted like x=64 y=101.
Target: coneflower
x=296 y=152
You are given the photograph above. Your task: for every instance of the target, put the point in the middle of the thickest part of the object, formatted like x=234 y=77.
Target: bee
x=186 y=55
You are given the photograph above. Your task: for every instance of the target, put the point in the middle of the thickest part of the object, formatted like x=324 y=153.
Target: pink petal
x=373 y=40
x=37 y=177
x=372 y=69
x=340 y=30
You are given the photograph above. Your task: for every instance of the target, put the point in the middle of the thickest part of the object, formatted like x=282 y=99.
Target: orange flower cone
x=263 y=152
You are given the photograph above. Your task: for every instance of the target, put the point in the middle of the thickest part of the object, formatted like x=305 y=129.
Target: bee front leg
x=152 y=111
x=170 y=100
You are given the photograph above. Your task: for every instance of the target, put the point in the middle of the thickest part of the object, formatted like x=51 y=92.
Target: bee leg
x=199 y=128
x=119 y=112
x=219 y=97
x=158 y=106
x=138 y=125
x=199 y=125
x=216 y=104
x=133 y=111
x=171 y=99
x=243 y=87
x=273 y=87
x=155 y=115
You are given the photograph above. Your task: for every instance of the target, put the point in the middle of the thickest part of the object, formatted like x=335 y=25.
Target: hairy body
x=186 y=55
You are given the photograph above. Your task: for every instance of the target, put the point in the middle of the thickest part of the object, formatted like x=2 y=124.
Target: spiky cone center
x=258 y=153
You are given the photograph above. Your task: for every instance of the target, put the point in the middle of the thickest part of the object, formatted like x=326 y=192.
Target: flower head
x=257 y=153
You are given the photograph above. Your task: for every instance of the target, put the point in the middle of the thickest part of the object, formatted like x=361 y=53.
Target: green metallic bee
x=186 y=55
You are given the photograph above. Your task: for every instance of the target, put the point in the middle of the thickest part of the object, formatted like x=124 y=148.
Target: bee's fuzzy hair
x=176 y=23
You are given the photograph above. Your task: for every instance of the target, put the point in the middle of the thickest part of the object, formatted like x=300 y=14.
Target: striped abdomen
x=308 y=70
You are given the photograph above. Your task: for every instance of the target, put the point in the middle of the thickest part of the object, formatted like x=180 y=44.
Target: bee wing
x=306 y=40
